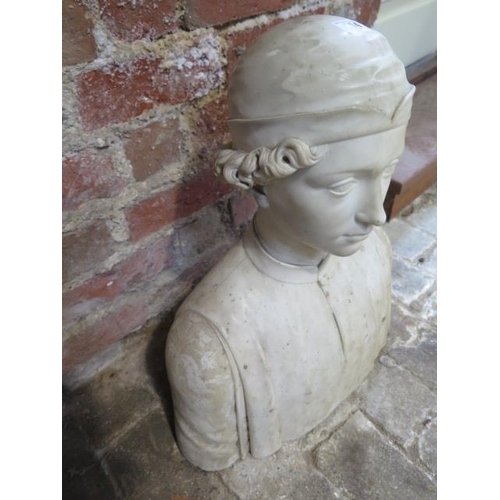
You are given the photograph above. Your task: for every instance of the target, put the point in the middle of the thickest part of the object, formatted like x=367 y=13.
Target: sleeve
x=203 y=393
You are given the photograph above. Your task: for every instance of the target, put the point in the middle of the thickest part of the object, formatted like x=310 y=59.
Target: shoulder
x=193 y=345
x=203 y=393
x=222 y=293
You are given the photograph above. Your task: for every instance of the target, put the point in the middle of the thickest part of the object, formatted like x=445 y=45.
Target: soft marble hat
x=322 y=79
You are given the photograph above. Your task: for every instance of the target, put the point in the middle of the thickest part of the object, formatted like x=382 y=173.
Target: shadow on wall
x=155 y=365
x=118 y=429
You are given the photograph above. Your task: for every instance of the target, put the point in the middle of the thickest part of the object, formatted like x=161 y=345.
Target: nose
x=372 y=211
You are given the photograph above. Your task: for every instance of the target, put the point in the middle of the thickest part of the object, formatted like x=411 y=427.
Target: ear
x=260 y=196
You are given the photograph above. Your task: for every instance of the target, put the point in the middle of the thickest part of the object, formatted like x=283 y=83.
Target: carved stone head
x=318 y=91
x=281 y=331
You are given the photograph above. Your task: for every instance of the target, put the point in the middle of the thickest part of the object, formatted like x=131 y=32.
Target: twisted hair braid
x=263 y=165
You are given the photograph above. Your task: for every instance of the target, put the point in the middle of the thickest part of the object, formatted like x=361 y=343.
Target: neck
x=280 y=244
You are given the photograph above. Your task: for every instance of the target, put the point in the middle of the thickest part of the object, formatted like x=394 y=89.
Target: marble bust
x=291 y=320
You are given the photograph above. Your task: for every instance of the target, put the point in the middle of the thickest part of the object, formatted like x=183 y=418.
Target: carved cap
x=319 y=78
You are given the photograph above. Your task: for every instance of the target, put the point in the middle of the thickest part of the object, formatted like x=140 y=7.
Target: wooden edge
x=422 y=69
x=425 y=179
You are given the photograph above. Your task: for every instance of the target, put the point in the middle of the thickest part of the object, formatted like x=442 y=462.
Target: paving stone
x=103 y=418
x=284 y=476
x=83 y=476
x=428 y=263
x=364 y=465
x=429 y=308
x=325 y=428
x=428 y=197
x=427 y=445
x=421 y=360
x=109 y=403
x=404 y=326
x=147 y=466
x=432 y=191
x=407 y=241
x=425 y=217
x=408 y=282
x=387 y=361
x=397 y=401
x=124 y=392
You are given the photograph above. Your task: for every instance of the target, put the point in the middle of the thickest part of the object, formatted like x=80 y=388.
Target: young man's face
x=334 y=205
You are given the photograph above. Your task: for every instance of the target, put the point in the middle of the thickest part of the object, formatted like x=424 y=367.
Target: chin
x=345 y=250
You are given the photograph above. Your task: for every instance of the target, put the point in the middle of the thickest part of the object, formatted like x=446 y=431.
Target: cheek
x=286 y=200
x=312 y=211
x=339 y=210
x=329 y=219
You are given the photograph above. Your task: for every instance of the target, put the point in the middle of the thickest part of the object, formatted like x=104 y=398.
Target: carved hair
x=263 y=165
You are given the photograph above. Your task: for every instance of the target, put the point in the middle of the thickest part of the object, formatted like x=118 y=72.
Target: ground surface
x=380 y=444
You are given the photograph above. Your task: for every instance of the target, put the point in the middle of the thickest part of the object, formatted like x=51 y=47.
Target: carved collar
x=276 y=269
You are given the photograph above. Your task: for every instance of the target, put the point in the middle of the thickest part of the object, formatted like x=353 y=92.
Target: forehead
x=372 y=152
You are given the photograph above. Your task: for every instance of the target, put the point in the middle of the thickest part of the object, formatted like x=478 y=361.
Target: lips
x=357 y=237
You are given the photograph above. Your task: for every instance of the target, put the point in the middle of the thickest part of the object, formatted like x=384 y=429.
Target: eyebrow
x=369 y=167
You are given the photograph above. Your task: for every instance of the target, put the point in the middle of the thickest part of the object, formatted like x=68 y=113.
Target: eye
x=343 y=187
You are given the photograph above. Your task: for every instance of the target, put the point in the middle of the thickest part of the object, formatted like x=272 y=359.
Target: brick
x=202 y=13
x=131 y=20
x=146 y=464
x=366 y=11
x=363 y=465
x=87 y=176
x=78 y=45
x=154 y=146
x=285 y=475
x=210 y=129
x=83 y=476
x=103 y=327
x=85 y=249
x=398 y=401
x=239 y=40
x=119 y=92
x=199 y=245
x=427 y=445
x=91 y=337
x=408 y=242
x=81 y=374
x=425 y=218
x=107 y=404
x=406 y=326
x=243 y=209
x=428 y=264
x=420 y=359
x=190 y=241
x=324 y=429
x=429 y=308
x=137 y=270
x=195 y=273
x=409 y=283
x=161 y=209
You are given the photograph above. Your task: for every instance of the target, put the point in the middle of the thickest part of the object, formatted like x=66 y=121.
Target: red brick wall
x=144 y=87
